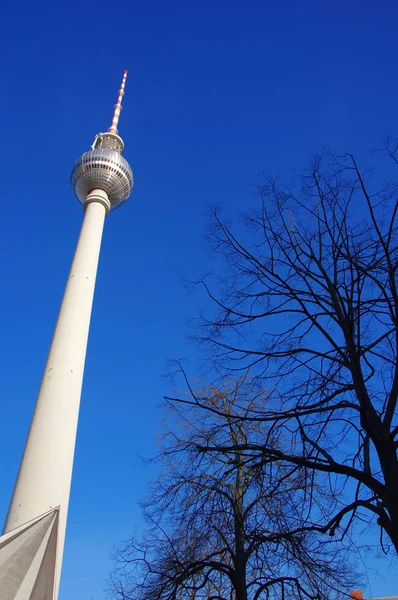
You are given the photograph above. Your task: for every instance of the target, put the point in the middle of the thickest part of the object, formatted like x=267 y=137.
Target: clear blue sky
x=217 y=93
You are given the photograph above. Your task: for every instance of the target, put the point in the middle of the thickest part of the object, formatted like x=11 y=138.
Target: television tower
x=32 y=543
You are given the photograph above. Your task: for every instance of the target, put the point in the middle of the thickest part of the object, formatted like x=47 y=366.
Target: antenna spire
x=118 y=106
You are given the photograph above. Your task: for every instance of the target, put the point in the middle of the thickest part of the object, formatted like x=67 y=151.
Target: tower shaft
x=44 y=478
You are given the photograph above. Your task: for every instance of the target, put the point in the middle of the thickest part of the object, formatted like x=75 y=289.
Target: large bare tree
x=308 y=303
x=219 y=529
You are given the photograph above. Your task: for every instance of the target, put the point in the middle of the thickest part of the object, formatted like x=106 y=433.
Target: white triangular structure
x=28 y=559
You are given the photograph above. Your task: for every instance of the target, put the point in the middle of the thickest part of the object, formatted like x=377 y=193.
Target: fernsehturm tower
x=32 y=543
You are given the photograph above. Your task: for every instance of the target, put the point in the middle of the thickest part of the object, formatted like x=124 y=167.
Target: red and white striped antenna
x=118 y=106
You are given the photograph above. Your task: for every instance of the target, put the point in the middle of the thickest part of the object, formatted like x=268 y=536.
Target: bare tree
x=219 y=529
x=309 y=304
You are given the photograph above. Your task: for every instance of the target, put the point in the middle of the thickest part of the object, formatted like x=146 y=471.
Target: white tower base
x=30 y=560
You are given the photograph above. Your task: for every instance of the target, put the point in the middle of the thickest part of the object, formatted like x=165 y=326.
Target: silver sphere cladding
x=103 y=169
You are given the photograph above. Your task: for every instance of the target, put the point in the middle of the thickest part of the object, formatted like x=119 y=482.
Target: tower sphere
x=103 y=168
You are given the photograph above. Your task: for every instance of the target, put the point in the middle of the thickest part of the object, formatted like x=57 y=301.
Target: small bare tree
x=309 y=304
x=218 y=528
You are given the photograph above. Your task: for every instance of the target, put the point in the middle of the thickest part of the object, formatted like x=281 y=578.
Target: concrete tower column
x=44 y=478
x=32 y=543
